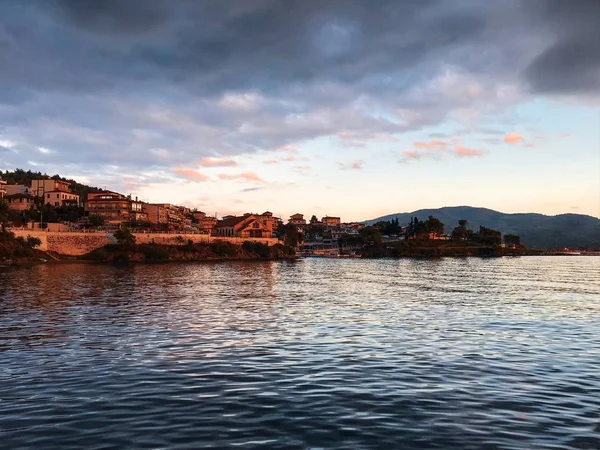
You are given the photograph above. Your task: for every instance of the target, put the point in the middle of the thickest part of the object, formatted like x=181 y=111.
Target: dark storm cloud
x=152 y=83
x=572 y=62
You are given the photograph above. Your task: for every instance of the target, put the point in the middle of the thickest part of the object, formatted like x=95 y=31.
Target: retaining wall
x=72 y=243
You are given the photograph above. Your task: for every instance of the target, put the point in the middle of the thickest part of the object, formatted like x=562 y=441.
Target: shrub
x=257 y=248
x=223 y=249
x=33 y=242
x=153 y=252
x=124 y=237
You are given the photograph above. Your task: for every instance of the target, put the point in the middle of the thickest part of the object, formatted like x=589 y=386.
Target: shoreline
x=70 y=260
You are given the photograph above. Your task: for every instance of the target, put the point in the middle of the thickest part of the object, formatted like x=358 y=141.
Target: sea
x=449 y=353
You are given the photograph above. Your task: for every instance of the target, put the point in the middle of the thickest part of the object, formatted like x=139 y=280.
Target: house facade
x=113 y=207
x=297 y=219
x=331 y=221
x=20 y=202
x=54 y=192
x=2 y=188
x=246 y=226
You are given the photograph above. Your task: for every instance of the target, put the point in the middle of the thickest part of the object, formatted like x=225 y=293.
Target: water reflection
x=463 y=353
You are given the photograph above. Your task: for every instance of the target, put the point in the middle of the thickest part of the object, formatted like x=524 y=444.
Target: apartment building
x=54 y=192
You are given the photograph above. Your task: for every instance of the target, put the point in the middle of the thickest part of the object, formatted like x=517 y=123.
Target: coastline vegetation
x=127 y=250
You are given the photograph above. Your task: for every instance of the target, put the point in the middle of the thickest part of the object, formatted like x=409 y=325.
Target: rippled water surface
x=317 y=353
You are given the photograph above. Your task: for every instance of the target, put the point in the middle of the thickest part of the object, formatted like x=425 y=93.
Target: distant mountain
x=536 y=230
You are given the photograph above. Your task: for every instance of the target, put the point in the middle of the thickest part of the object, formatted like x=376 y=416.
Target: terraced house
x=247 y=226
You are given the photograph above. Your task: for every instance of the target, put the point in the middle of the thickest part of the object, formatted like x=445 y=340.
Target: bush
x=223 y=249
x=33 y=242
x=257 y=248
x=96 y=221
x=124 y=237
x=153 y=252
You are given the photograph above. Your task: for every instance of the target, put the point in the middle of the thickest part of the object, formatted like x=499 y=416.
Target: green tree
x=292 y=237
x=487 y=236
x=96 y=221
x=371 y=237
x=461 y=232
x=33 y=242
x=512 y=240
x=125 y=238
x=434 y=225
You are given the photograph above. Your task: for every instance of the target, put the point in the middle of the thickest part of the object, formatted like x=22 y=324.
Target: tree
x=434 y=225
x=33 y=242
x=487 y=236
x=371 y=237
x=125 y=237
x=461 y=232
x=313 y=219
x=512 y=240
x=96 y=221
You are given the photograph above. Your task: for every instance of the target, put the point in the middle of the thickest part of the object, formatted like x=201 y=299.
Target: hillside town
x=51 y=204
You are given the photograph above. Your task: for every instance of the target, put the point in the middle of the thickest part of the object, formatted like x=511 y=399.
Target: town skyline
x=350 y=109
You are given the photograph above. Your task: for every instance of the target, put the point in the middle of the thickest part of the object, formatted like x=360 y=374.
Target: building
x=115 y=208
x=20 y=202
x=331 y=221
x=247 y=226
x=157 y=213
x=138 y=213
x=173 y=216
x=207 y=224
x=297 y=219
x=54 y=192
x=2 y=188
x=12 y=189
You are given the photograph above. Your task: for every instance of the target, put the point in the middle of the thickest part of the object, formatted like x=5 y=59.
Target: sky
x=329 y=107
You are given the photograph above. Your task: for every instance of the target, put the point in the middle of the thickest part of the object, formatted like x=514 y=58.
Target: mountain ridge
x=536 y=230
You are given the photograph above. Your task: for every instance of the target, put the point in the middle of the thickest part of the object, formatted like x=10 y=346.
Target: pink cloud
x=464 y=151
x=513 y=138
x=189 y=174
x=271 y=161
x=412 y=154
x=249 y=177
x=354 y=165
x=217 y=162
x=432 y=144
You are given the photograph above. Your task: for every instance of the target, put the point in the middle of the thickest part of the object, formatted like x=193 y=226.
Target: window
x=47 y=195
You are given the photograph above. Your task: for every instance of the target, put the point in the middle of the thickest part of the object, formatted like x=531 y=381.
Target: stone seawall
x=72 y=243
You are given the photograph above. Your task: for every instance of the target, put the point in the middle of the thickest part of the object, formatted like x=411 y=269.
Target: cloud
x=464 y=151
x=190 y=174
x=354 y=165
x=249 y=177
x=195 y=79
x=433 y=144
x=513 y=138
x=411 y=154
x=217 y=162
x=252 y=189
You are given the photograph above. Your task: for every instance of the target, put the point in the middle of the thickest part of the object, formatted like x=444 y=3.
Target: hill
x=20 y=176
x=536 y=230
